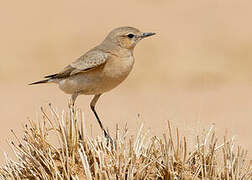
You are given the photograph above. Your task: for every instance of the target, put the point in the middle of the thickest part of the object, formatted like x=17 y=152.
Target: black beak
x=147 y=34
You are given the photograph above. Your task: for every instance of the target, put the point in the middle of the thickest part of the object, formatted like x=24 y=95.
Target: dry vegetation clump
x=77 y=156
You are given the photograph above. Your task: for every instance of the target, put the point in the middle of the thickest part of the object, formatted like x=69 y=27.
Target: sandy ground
x=196 y=71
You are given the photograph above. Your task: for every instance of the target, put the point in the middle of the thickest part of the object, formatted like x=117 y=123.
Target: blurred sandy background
x=194 y=72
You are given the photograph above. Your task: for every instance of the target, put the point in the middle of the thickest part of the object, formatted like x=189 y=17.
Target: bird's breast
x=118 y=68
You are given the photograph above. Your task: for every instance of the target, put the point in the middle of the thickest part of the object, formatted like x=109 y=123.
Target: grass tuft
x=77 y=156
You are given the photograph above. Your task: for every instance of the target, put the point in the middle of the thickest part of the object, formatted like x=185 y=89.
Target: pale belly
x=99 y=80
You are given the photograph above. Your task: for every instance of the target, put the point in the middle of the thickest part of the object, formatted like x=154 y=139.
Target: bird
x=100 y=69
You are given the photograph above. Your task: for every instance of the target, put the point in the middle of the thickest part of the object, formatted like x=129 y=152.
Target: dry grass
x=76 y=156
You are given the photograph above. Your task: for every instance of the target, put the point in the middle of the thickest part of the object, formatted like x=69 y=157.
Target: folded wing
x=86 y=62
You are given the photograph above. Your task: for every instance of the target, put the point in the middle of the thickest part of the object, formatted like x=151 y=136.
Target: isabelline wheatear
x=100 y=69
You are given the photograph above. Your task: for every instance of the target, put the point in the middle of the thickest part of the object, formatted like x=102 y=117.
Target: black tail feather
x=51 y=76
x=40 y=82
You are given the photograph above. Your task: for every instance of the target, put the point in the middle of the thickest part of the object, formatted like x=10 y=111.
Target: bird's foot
x=109 y=139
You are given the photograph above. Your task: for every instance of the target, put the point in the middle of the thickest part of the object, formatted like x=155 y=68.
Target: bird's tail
x=40 y=82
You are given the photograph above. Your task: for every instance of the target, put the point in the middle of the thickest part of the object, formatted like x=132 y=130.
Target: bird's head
x=127 y=37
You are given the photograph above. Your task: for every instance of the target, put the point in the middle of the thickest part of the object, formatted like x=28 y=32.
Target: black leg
x=92 y=105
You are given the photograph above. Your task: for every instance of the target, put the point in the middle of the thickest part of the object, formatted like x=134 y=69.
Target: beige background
x=196 y=71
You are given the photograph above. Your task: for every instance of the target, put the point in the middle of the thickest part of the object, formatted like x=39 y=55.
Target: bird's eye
x=130 y=36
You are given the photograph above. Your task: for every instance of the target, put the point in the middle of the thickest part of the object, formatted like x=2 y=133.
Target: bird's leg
x=72 y=101
x=92 y=105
